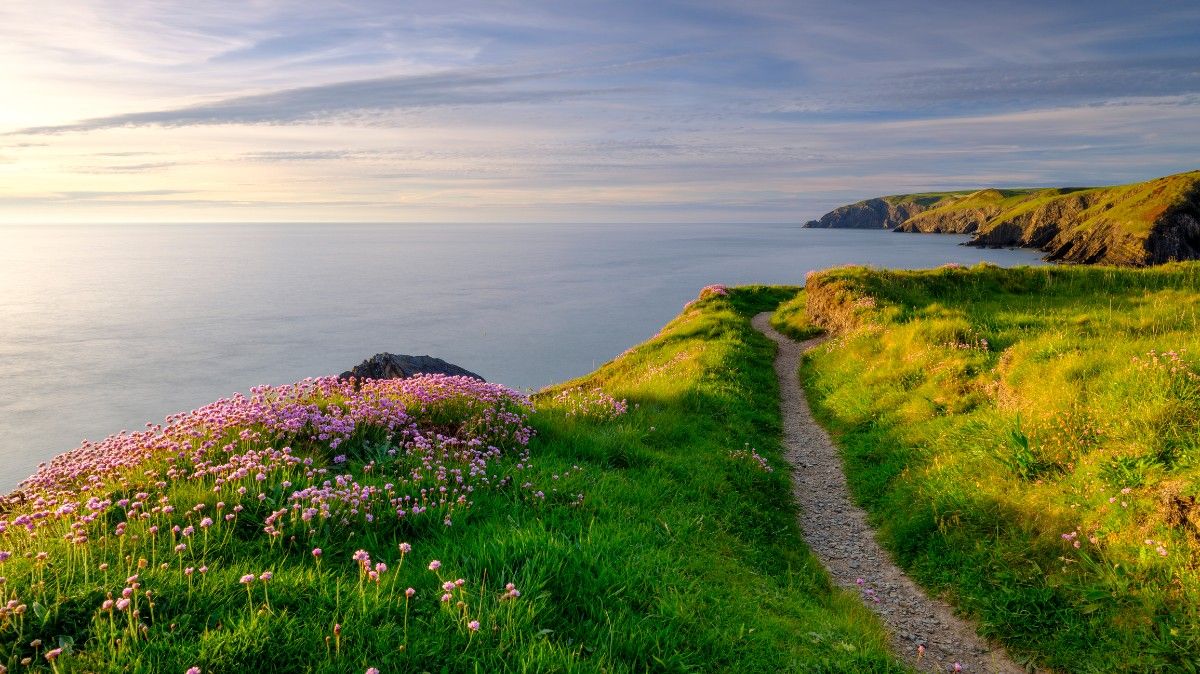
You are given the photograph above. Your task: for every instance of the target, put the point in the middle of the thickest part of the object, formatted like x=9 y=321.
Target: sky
x=569 y=111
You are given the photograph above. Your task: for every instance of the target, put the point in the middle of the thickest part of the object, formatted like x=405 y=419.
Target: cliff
x=1131 y=225
x=882 y=212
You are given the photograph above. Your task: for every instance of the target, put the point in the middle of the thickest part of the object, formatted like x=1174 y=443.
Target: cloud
x=331 y=101
x=129 y=168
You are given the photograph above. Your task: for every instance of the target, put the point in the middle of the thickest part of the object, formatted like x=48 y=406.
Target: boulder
x=400 y=366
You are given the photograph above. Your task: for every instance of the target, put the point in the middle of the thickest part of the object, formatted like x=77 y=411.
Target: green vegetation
x=791 y=319
x=1139 y=224
x=971 y=198
x=1027 y=442
x=682 y=554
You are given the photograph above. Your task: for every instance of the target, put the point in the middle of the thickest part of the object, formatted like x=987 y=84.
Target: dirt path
x=837 y=531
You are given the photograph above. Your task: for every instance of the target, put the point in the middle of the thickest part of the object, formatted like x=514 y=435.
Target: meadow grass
x=1027 y=443
x=647 y=526
x=791 y=318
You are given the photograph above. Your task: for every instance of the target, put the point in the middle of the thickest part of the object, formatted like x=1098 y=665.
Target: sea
x=108 y=327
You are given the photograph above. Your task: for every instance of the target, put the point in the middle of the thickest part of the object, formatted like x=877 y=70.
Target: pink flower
x=317 y=552
x=247 y=579
x=372 y=670
x=266 y=575
x=409 y=592
x=192 y=670
x=473 y=625
x=52 y=654
x=122 y=604
x=405 y=548
x=435 y=565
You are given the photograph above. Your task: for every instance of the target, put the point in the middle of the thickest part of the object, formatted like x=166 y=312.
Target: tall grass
x=1027 y=441
x=638 y=531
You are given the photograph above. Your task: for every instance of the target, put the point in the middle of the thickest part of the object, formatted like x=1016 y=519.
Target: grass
x=644 y=538
x=791 y=319
x=1027 y=442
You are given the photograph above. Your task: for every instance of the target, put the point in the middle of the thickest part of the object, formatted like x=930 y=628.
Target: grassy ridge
x=1028 y=442
x=682 y=555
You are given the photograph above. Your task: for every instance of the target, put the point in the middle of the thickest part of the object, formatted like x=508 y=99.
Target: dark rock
x=400 y=366
x=869 y=214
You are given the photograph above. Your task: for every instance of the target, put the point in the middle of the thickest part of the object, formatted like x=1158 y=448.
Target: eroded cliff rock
x=1134 y=225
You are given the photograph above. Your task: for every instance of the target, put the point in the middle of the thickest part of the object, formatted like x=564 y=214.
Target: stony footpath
x=925 y=631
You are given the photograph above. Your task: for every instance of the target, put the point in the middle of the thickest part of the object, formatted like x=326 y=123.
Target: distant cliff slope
x=1133 y=225
x=882 y=212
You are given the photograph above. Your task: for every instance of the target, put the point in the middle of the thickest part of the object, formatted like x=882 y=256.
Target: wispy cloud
x=333 y=101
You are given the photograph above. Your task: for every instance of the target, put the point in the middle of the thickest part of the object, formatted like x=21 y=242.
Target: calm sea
x=106 y=327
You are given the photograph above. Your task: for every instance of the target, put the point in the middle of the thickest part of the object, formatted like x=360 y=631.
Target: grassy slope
x=992 y=420
x=1132 y=208
x=926 y=199
x=680 y=557
x=791 y=319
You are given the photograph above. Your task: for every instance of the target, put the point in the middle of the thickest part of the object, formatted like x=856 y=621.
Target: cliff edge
x=1130 y=225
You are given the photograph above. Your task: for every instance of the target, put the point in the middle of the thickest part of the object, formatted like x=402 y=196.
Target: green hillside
x=1027 y=442
x=638 y=519
x=1131 y=225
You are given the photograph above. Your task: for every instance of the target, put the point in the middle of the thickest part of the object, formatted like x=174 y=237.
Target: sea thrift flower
x=192 y=670
x=316 y=552
x=473 y=625
x=435 y=565
x=52 y=654
x=409 y=593
x=405 y=548
x=247 y=579
x=372 y=670
x=122 y=604
x=266 y=575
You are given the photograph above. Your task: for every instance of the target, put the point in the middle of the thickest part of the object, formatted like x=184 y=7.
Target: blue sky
x=570 y=111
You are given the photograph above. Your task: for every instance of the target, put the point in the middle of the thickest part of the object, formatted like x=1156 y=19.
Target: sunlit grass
x=647 y=526
x=1028 y=443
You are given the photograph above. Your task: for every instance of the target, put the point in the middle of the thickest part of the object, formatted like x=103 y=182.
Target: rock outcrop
x=1132 y=225
x=394 y=366
x=869 y=214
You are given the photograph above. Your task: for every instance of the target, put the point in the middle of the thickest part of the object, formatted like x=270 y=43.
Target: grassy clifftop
x=1028 y=443
x=637 y=519
x=1133 y=225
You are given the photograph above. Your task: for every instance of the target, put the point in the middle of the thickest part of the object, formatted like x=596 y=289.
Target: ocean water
x=106 y=327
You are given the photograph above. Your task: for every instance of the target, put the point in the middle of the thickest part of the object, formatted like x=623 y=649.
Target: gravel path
x=837 y=531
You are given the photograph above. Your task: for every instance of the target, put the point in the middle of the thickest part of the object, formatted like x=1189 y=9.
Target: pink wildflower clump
x=748 y=453
x=431 y=440
x=591 y=403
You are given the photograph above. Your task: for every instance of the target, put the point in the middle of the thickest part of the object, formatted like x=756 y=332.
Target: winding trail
x=837 y=531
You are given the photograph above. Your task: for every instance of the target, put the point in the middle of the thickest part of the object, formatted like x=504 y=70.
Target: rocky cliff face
x=869 y=214
x=1134 y=225
x=393 y=366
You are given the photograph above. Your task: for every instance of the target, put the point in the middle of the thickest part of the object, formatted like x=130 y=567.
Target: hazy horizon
x=605 y=112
